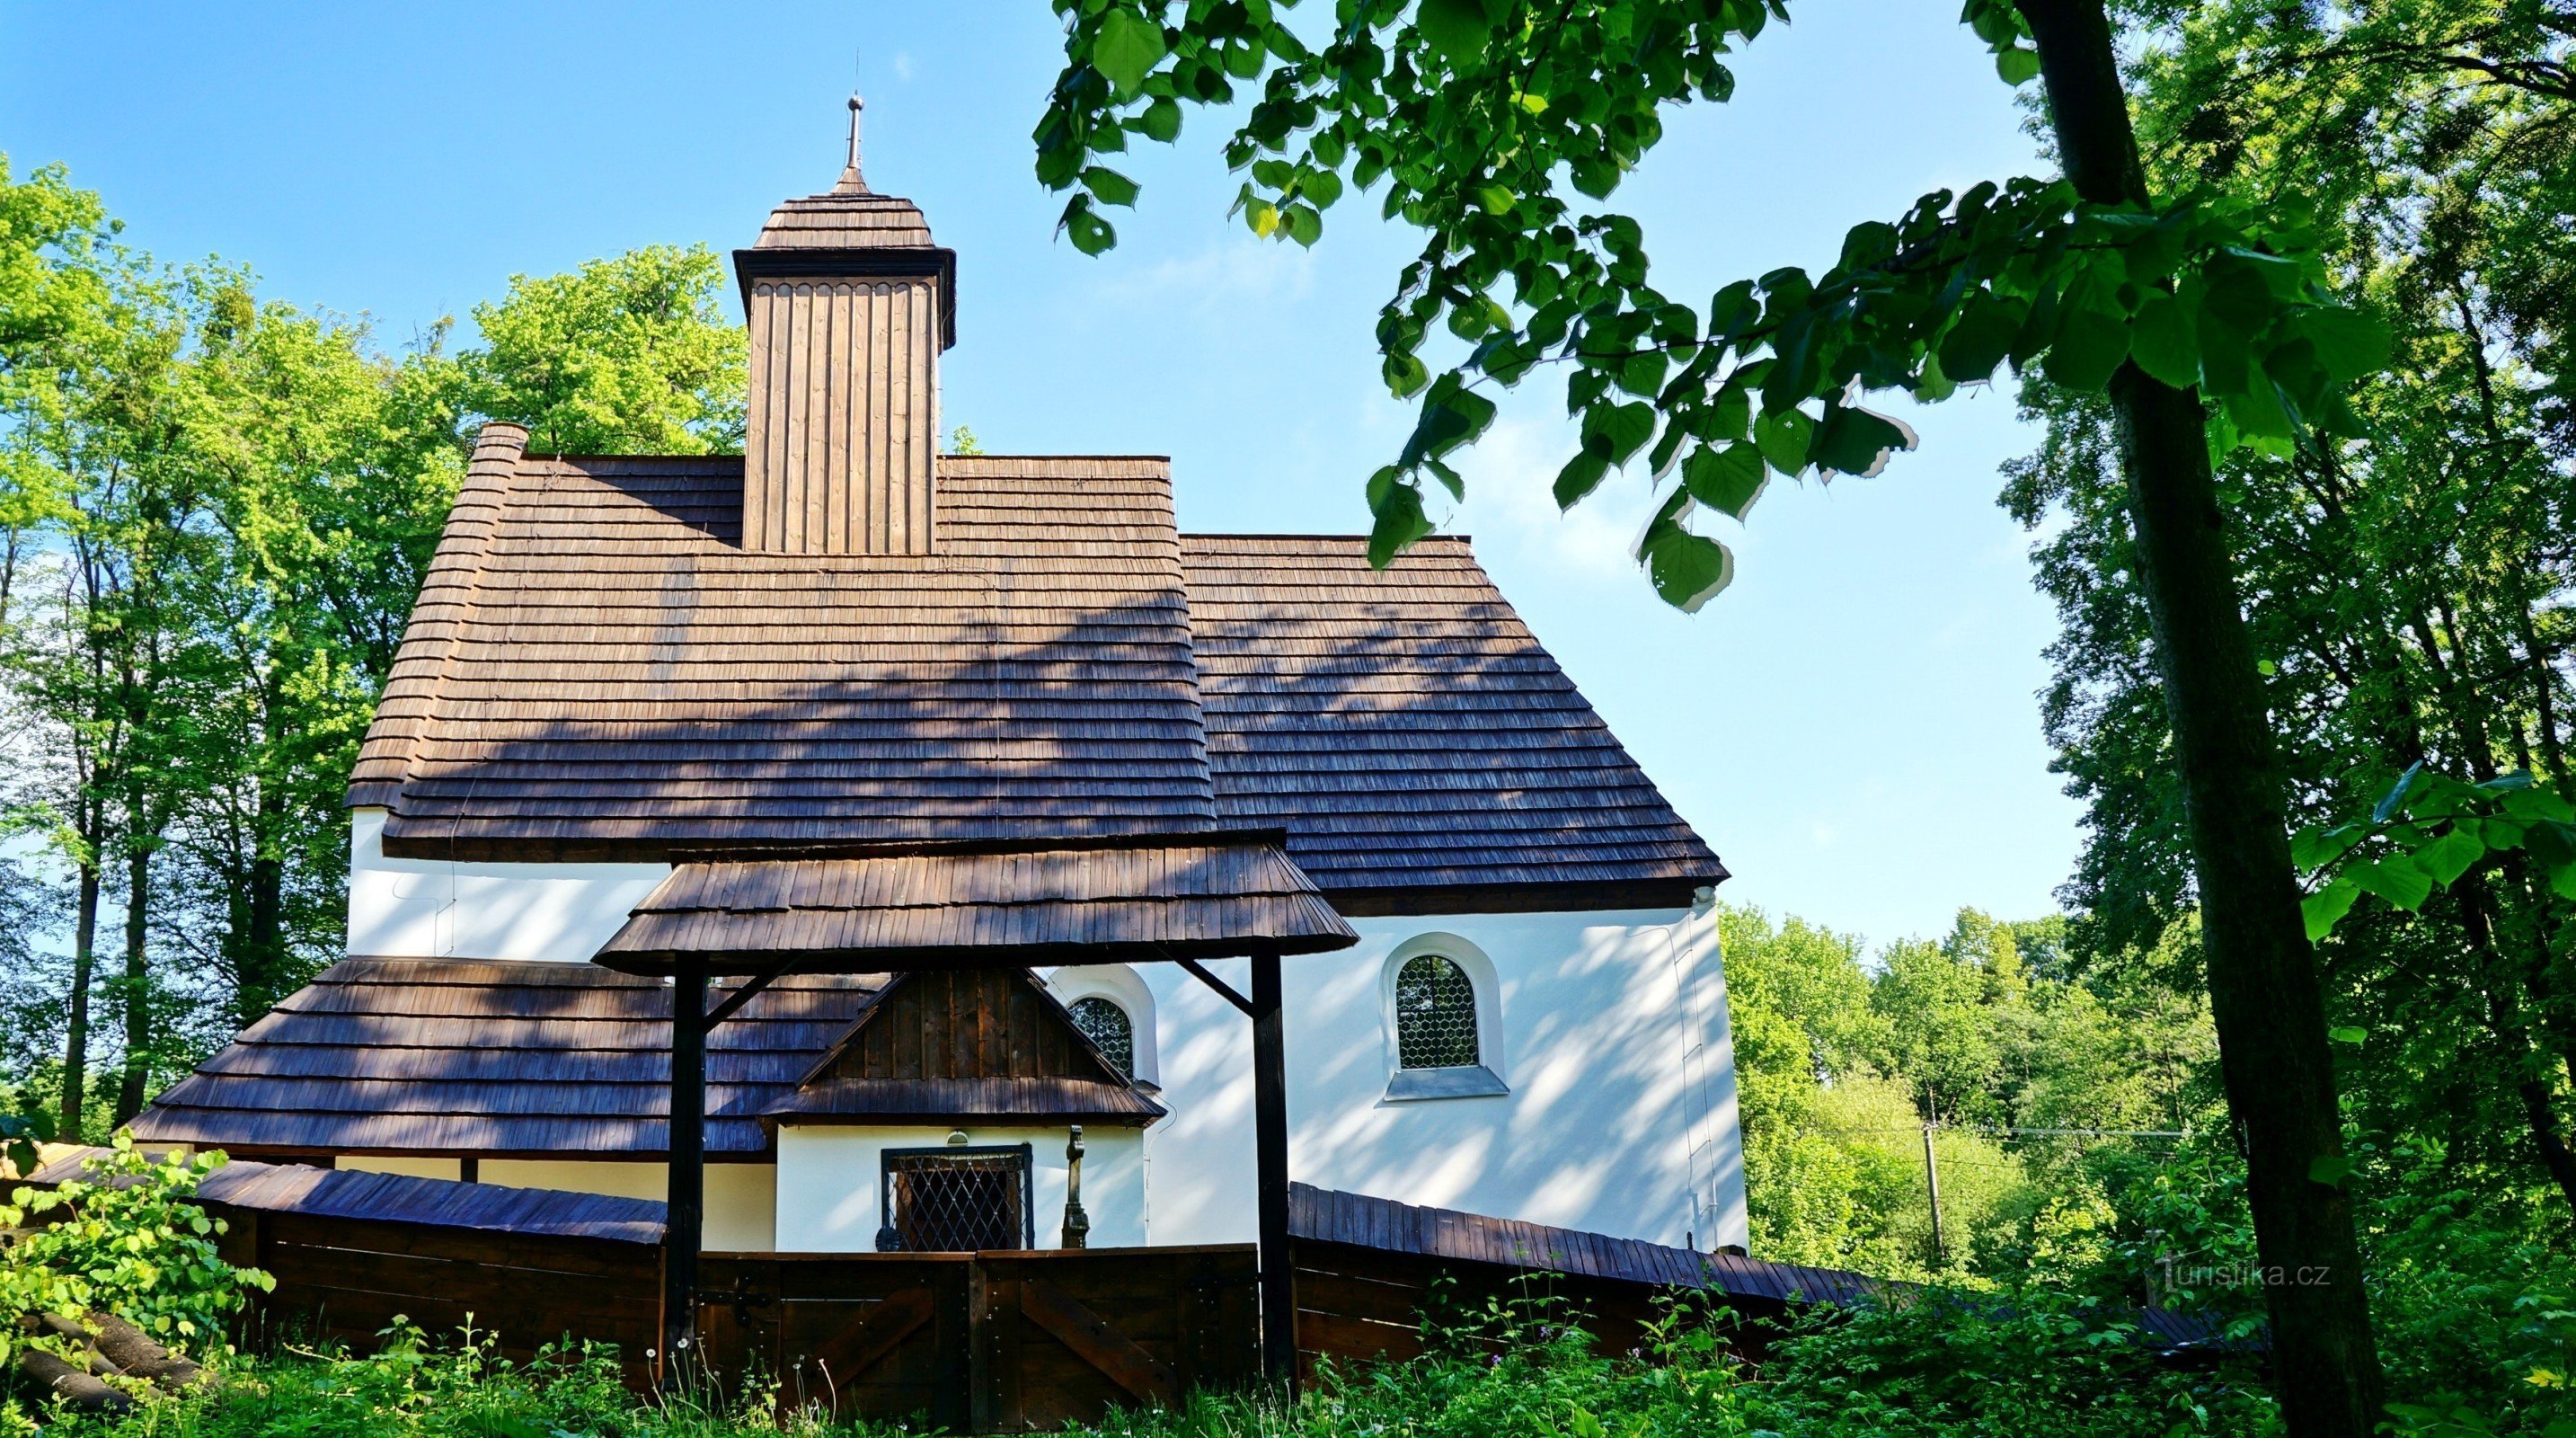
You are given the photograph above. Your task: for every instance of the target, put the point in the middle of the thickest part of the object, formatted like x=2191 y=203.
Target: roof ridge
x=402 y=712
x=1344 y=538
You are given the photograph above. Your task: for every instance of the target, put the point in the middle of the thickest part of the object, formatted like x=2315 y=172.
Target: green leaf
x=2386 y=808
x=1458 y=29
x=2395 y=879
x=2314 y=847
x=1400 y=520
x=1109 y=187
x=1126 y=50
x=2162 y=343
x=2332 y=1169
x=1857 y=441
x=1090 y=234
x=1727 y=480
x=2258 y=411
x=1688 y=569
x=2017 y=66
x=2347 y=1035
x=2350 y=344
x=1785 y=439
x=2325 y=908
x=2552 y=842
x=1161 y=120
x=2450 y=856
x=1620 y=429
x=1979 y=337
x=2089 y=347
x=1581 y=475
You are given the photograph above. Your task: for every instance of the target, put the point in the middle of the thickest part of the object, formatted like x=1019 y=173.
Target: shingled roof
x=507 y=1058
x=1412 y=737
x=597 y=670
x=495 y=1057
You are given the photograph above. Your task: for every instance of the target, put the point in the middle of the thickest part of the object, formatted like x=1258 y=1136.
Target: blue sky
x=1852 y=725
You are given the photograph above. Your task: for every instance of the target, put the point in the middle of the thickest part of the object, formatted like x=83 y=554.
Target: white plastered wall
x=829 y=1196
x=436 y=908
x=1613 y=1039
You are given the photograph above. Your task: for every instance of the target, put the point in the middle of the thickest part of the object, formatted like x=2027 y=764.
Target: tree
x=631 y=355
x=229 y=503
x=2407 y=591
x=2205 y=323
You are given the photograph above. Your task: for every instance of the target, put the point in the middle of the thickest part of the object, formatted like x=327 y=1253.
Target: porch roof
x=1225 y=897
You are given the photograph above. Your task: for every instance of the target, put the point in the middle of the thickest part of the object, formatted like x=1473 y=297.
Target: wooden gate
x=994 y=1342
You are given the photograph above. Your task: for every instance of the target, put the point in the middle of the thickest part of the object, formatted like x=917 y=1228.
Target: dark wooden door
x=868 y=1335
x=991 y=1342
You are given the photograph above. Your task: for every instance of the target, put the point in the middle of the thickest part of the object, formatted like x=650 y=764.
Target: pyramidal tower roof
x=849 y=216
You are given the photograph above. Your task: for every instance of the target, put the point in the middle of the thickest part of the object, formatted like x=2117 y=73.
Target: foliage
x=1948 y=1363
x=215 y=511
x=1520 y=1369
x=2407 y=586
x=1469 y=111
x=2426 y=833
x=631 y=355
x=1843 y=1062
x=127 y=1242
x=410 y=1387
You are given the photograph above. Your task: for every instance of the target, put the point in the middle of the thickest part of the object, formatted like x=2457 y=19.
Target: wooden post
x=1270 y=1148
x=686 y=1210
x=1932 y=1181
x=1076 y=1232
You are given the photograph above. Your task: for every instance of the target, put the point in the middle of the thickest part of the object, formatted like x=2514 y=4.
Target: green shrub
x=128 y=1242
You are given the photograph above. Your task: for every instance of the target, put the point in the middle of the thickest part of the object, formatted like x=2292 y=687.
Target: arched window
x=1108 y=1026
x=1435 y=1015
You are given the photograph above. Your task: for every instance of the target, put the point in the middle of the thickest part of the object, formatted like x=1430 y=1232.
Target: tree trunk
x=138 y=983
x=76 y=1035
x=2262 y=974
x=263 y=972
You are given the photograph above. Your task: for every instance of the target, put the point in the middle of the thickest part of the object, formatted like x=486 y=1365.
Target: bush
x=128 y=1242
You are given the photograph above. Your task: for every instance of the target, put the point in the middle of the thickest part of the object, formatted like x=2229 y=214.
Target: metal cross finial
x=850 y=178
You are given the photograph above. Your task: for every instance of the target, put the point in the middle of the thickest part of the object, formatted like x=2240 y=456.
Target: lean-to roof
x=498 y=1057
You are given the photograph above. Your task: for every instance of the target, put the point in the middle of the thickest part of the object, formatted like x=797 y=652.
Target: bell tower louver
x=849 y=305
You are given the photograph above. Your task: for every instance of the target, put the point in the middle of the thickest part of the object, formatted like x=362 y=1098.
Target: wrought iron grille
x=1435 y=1015
x=1108 y=1026
x=957 y=1200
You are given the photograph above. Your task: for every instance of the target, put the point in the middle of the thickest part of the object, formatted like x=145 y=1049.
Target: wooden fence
x=1014 y=1341
x=984 y=1342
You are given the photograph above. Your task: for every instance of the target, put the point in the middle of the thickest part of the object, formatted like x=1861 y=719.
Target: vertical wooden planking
x=880 y=379
x=839 y=452
x=841 y=442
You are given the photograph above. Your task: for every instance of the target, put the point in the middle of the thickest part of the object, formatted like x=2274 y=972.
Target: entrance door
x=957 y=1200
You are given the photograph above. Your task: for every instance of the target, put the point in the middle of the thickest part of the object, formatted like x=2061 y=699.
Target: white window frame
x=1120 y=985
x=1483 y=1079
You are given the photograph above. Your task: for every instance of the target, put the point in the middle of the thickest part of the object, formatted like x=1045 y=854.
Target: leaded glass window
x=1435 y=1015
x=1108 y=1026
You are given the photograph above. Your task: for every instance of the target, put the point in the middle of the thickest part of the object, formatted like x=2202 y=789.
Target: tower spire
x=851 y=183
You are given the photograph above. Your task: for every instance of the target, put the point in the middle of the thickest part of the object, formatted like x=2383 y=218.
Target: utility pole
x=1932 y=1182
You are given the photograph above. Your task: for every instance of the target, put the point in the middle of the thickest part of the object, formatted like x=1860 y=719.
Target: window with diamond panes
x=1435 y=1015
x=957 y=1200
x=1108 y=1026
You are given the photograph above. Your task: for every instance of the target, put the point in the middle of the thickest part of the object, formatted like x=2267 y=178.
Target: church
x=846 y=694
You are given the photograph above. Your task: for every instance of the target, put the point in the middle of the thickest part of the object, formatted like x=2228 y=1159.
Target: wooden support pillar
x=685 y=1214
x=1270 y=1148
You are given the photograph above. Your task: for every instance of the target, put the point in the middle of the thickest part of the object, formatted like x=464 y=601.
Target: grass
x=1517 y=1371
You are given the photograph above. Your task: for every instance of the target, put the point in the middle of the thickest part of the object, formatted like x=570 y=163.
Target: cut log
x=141 y=1355
x=84 y=1391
